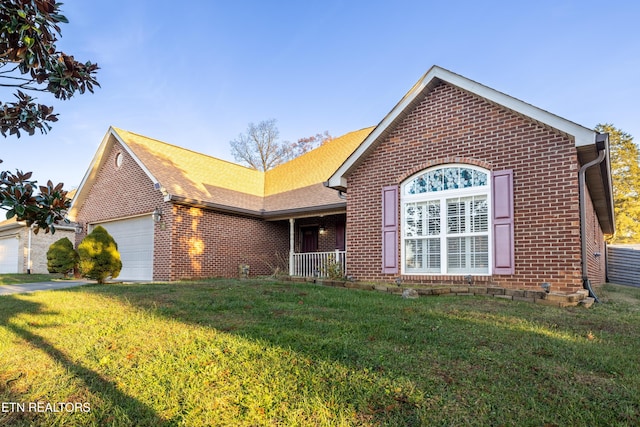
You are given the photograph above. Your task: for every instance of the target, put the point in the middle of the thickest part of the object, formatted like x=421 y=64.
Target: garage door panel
x=134 y=237
x=9 y=255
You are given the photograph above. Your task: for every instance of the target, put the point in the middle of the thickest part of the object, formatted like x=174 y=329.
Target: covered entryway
x=9 y=255
x=317 y=246
x=134 y=237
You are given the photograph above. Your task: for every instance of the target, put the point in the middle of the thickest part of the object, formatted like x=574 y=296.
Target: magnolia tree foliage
x=99 y=256
x=625 y=171
x=31 y=62
x=43 y=206
x=62 y=257
x=260 y=147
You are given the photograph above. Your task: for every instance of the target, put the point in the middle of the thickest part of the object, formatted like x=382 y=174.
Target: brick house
x=23 y=251
x=458 y=183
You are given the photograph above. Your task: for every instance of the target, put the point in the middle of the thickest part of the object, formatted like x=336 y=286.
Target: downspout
x=602 y=142
x=29 y=251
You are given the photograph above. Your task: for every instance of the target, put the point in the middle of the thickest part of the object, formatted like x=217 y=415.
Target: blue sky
x=195 y=73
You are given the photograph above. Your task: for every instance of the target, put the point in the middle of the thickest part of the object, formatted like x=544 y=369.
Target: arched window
x=446 y=225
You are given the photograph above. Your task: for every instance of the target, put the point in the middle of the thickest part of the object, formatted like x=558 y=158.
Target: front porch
x=318 y=264
x=317 y=247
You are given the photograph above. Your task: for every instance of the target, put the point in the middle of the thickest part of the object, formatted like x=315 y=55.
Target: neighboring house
x=457 y=183
x=23 y=251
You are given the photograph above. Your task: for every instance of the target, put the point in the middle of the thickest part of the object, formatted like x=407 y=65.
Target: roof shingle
x=196 y=177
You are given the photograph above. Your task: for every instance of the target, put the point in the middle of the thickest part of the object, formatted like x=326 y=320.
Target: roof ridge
x=325 y=144
x=117 y=129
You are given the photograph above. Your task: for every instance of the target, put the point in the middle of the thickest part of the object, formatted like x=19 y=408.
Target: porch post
x=292 y=232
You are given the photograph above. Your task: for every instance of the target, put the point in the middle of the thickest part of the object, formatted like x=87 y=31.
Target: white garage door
x=9 y=255
x=134 y=237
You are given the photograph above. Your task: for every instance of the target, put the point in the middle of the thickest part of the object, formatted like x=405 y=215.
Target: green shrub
x=99 y=256
x=62 y=257
x=332 y=269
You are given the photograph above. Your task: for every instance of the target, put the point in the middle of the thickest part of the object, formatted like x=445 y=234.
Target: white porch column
x=292 y=246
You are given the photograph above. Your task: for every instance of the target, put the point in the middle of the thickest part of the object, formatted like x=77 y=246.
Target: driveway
x=40 y=286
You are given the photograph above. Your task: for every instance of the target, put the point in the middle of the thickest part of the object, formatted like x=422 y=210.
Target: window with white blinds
x=445 y=228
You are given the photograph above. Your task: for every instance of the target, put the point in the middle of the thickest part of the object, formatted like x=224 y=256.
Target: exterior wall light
x=79 y=228
x=156 y=215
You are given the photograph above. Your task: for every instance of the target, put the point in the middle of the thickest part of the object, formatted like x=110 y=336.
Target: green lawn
x=283 y=354
x=13 y=279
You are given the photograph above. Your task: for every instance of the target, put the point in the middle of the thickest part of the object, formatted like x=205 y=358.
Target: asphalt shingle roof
x=295 y=185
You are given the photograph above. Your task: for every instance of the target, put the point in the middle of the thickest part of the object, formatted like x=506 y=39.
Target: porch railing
x=319 y=264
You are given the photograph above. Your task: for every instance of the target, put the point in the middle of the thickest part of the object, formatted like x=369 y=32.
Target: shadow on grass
x=454 y=350
x=137 y=412
x=265 y=314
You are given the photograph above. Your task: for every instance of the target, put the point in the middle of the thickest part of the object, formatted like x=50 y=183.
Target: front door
x=309 y=239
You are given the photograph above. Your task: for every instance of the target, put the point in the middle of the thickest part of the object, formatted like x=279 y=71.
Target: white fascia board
x=89 y=175
x=582 y=135
x=132 y=154
x=338 y=179
x=94 y=167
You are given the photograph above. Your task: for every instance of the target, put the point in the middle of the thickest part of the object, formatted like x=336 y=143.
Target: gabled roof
x=598 y=178
x=313 y=167
x=188 y=177
x=434 y=77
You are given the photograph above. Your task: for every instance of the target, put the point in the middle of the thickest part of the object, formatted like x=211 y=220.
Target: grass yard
x=235 y=353
x=14 y=279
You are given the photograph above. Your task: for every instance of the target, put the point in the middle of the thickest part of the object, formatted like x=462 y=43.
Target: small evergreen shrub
x=99 y=256
x=62 y=257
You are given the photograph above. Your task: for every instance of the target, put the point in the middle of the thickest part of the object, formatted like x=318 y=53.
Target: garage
x=134 y=237
x=9 y=255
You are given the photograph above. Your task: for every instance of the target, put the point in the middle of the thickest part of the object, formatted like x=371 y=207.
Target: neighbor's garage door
x=9 y=254
x=134 y=237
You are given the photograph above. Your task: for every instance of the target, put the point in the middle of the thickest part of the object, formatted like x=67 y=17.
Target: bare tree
x=305 y=145
x=259 y=147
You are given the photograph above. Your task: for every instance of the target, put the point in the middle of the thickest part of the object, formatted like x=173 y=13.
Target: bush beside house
x=99 y=256
x=62 y=257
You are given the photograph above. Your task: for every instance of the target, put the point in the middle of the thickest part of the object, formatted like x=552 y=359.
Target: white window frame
x=441 y=197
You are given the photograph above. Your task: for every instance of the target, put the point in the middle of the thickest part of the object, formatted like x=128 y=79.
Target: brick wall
x=450 y=125
x=596 y=264
x=125 y=191
x=40 y=246
x=188 y=242
x=212 y=244
x=119 y=191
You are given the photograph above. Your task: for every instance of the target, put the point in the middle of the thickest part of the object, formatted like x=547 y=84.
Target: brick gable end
x=450 y=125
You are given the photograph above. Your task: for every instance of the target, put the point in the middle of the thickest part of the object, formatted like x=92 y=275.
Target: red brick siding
x=450 y=125
x=596 y=265
x=124 y=192
x=188 y=242
x=212 y=244
x=162 y=243
x=119 y=192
